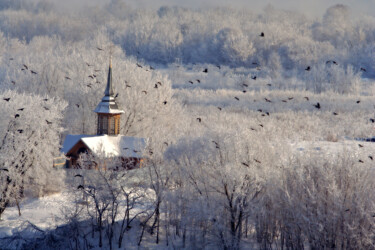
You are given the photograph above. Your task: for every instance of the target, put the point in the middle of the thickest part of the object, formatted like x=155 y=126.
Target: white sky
x=312 y=8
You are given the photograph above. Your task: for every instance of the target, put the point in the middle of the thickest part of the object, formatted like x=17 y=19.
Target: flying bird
x=267 y=100
x=371 y=158
x=165 y=102
x=45 y=99
x=363 y=69
x=205 y=70
x=26 y=66
x=261 y=34
x=331 y=61
x=334 y=113
x=360 y=161
x=244 y=91
x=191 y=82
x=198 y=80
x=20 y=131
x=236 y=98
x=358 y=101
x=243 y=163
x=33 y=72
x=156 y=86
x=372 y=120
x=159 y=83
x=20 y=109
x=77 y=105
x=257 y=161
x=308 y=68
x=99 y=48
x=78 y=175
x=13 y=82
x=6 y=99
x=219 y=108
x=317 y=105
x=360 y=145
x=144 y=91
x=140 y=66
x=307 y=98
x=48 y=122
x=254 y=77
x=80 y=187
x=67 y=78
x=199 y=119
x=16 y=116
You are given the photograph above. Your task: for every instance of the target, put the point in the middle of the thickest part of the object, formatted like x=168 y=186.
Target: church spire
x=109 y=91
x=108 y=110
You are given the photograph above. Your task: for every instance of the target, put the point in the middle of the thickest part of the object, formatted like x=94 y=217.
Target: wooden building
x=108 y=142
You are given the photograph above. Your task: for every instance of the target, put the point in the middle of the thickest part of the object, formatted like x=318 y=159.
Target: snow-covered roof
x=71 y=140
x=118 y=145
x=108 y=105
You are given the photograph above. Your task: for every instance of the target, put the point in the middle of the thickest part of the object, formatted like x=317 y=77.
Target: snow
x=116 y=145
x=108 y=106
x=44 y=212
x=105 y=109
x=361 y=149
x=71 y=140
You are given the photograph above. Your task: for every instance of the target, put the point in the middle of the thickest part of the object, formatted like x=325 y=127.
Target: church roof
x=109 y=146
x=108 y=103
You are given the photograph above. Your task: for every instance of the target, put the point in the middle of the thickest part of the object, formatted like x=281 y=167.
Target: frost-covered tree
x=30 y=131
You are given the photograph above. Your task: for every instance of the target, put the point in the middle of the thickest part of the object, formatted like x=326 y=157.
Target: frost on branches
x=30 y=139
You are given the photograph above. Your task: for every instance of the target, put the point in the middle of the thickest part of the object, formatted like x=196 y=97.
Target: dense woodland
x=225 y=97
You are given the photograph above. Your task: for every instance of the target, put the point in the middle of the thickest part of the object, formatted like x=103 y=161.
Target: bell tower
x=108 y=112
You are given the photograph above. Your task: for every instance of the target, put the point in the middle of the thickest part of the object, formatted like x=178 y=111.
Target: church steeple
x=108 y=112
x=109 y=91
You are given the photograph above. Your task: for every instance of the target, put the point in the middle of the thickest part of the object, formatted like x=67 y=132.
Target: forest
x=260 y=127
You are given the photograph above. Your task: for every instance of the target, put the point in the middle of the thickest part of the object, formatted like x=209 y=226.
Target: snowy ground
x=44 y=212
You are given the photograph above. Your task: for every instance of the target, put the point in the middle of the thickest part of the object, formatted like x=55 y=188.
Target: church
x=108 y=141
